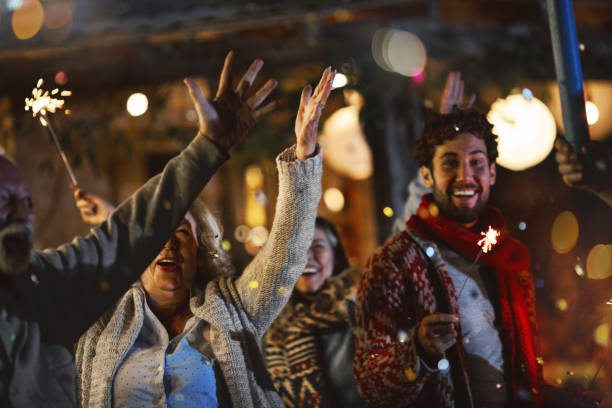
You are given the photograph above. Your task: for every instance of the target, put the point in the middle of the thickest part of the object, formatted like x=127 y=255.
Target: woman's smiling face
x=320 y=265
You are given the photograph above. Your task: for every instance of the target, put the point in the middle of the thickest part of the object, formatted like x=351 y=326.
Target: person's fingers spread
x=249 y=77
x=225 y=80
x=265 y=110
x=263 y=92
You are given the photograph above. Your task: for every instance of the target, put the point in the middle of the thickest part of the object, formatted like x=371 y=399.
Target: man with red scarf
x=437 y=324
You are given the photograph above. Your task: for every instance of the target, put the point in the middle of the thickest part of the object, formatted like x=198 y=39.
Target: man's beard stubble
x=462 y=215
x=16 y=244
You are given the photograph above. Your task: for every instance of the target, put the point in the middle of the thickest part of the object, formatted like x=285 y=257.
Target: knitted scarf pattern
x=292 y=345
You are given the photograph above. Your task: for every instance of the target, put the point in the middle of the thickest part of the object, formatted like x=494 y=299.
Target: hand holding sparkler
x=229 y=116
x=94 y=210
x=436 y=334
x=41 y=103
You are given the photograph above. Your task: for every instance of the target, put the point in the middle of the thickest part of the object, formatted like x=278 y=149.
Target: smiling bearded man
x=435 y=328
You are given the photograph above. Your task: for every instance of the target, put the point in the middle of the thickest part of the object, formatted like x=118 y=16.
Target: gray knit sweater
x=239 y=310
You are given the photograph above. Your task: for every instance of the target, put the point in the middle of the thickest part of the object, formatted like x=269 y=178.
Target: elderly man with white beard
x=49 y=298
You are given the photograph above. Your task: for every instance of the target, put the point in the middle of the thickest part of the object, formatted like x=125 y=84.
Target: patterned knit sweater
x=401 y=285
x=238 y=309
x=293 y=344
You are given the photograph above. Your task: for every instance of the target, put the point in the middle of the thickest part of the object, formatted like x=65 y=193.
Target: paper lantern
x=526 y=130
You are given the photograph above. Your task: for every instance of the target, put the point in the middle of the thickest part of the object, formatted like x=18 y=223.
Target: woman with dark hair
x=309 y=348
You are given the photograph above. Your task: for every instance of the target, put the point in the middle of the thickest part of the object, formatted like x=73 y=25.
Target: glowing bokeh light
x=253 y=284
x=137 y=104
x=241 y=233
x=61 y=78
x=564 y=232
x=340 y=80
x=405 y=53
x=592 y=112
x=258 y=236
x=345 y=146
x=526 y=130
x=522 y=226
x=443 y=365
x=253 y=177
x=27 y=19
x=378 y=44
x=333 y=199
x=13 y=4
x=58 y=14
x=579 y=269
x=601 y=335
x=562 y=305
x=599 y=262
x=388 y=212
x=226 y=245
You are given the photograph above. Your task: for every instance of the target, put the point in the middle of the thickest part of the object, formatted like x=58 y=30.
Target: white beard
x=10 y=265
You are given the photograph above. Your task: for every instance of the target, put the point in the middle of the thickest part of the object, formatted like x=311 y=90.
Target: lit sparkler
x=43 y=102
x=488 y=241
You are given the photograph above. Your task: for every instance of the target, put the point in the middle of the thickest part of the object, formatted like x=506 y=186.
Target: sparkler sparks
x=43 y=101
x=489 y=240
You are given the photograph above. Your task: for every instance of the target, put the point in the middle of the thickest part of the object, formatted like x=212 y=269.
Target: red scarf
x=510 y=261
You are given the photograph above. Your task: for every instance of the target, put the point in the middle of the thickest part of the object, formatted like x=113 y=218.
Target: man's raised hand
x=228 y=117
x=309 y=113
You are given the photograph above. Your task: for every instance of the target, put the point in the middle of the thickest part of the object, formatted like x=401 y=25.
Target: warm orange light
x=564 y=232
x=599 y=262
x=27 y=19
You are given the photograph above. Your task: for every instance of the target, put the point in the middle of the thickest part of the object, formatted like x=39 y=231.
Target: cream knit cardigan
x=239 y=309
